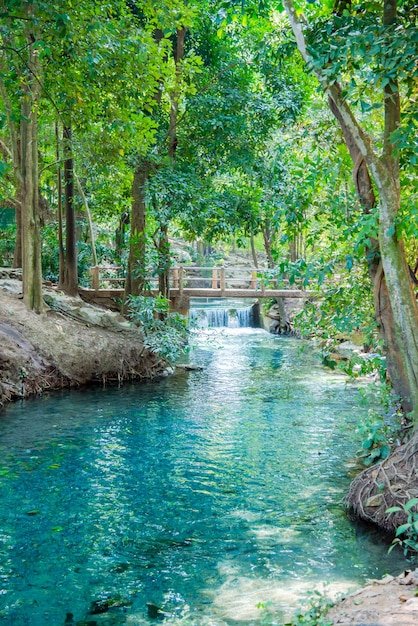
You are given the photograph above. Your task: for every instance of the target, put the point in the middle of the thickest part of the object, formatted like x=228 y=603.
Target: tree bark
x=163 y=261
x=253 y=251
x=266 y=230
x=59 y=210
x=30 y=222
x=70 y=284
x=135 y=278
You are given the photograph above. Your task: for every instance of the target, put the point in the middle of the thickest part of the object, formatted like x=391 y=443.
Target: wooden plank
x=242 y=293
x=215 y=293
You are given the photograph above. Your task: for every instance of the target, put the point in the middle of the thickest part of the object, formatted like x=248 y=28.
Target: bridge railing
x=194 y=277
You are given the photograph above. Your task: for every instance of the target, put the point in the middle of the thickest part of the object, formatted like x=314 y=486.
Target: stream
x=212 y=497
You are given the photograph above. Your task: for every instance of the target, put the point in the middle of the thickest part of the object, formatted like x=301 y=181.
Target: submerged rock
x=154 y=611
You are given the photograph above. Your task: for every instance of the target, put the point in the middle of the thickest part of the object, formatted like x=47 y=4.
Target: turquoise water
x=206 y=493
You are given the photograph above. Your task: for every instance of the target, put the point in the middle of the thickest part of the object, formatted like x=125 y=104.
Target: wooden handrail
x=217 y=278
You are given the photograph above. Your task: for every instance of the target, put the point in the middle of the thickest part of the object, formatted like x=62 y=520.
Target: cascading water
x=226 y=314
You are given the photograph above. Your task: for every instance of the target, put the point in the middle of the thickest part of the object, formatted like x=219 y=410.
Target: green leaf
x=391 y=231
x=412 y=502
x=393 y=509
x=349 y=262
x=403 y=528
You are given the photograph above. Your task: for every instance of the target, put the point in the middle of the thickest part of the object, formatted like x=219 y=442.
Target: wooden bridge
x=188 y=281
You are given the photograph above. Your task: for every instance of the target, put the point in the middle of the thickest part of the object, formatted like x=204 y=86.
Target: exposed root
x=391 y=482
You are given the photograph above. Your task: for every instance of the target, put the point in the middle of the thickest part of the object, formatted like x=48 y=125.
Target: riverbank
x=391 y=601
x=69 y=345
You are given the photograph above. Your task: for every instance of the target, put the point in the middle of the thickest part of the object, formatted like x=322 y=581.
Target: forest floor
x=73 y=343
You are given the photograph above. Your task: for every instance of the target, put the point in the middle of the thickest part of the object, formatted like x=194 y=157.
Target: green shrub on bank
x=165 y=333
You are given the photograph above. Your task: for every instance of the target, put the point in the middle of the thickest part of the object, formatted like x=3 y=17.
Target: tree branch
x=333 y=90
x=5 y=150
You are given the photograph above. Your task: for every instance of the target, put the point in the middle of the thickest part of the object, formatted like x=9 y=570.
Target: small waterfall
x=216 y=317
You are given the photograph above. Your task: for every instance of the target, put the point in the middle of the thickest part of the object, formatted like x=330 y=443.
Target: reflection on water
x=205 y=494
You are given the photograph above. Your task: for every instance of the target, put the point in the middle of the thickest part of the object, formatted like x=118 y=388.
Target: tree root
x=391 y=482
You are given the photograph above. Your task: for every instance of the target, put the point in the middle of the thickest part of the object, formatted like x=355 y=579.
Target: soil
x=392 y=601
x=73 y=343
x=70 y=344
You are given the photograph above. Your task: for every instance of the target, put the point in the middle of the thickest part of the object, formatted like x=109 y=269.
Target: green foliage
x=315 y=613
x=382 y=427
x=375 y=445
x=165 y=333
x=407 y=533
x=7 y=245
x=345 y=305
x=50 y=254
x=311 y=614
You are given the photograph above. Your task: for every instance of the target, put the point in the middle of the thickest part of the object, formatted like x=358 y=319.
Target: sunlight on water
x=204 y=494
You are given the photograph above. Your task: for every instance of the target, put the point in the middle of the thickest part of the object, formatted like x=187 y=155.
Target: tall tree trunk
x=30 y=222
x=163 y=247
x=17 y=256
x=31 y=239
x=266 y=231
x=59 y=209
x=253 y=251
x=135 y=278
x=163 y=261
x=89 y=219
x=70 y=284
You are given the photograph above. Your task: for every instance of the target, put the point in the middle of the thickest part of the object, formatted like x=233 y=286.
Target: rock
x=347 y=349
x=386 y=580
x=411 y=605
x=154 y=611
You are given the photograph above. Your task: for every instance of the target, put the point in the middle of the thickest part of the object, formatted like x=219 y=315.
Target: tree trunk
x=164 y=262
x=382 y=306
x=267 y=243
x=59 y=211
x=135 y=278
x=253 y=251
x=17 y=257
x=30 y=223
x=89 y=219
x=70 y=284
x=400 y=289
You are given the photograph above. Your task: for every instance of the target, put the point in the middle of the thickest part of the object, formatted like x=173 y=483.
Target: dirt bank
x=71 y=344
x=391 y=601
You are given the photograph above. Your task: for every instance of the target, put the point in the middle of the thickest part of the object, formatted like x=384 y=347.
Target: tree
x=20 y=47
x=383 y=46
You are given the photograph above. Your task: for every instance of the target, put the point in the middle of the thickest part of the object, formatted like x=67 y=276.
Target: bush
x=164 y=333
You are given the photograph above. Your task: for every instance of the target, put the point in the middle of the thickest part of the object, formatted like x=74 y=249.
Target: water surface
x=206 y=493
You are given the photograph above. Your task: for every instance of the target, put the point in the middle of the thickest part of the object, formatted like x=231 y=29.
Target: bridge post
x=214 y=277
x=95 y=277
x=175 y=277
x=181 y=281
x=253 y=282
x=222 y=278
